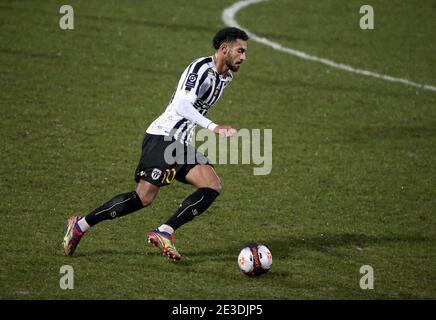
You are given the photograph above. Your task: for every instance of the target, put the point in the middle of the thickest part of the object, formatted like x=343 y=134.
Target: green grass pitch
x=353 y=180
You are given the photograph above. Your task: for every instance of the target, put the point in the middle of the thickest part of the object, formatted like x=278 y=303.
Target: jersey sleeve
x=194 y=78
x=185 y=109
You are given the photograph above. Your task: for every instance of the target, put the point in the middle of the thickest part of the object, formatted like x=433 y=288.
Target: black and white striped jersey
x=202 y=86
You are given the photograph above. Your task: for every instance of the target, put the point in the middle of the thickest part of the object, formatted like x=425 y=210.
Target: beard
x=232 y=66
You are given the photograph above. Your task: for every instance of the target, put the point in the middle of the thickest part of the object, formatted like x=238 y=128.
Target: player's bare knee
x=216 y=185
x=146 y=195
x=146 y=199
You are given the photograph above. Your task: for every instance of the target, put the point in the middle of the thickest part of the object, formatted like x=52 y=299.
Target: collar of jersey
x=228 y=76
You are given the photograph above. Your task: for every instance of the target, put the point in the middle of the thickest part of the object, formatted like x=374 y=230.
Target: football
x=255 y=259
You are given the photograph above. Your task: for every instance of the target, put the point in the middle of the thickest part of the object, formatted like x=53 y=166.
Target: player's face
x=236 y=54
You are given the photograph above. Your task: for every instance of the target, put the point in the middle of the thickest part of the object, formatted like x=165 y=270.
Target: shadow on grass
x=109 y=252
x=287 y=246
x=280 y=247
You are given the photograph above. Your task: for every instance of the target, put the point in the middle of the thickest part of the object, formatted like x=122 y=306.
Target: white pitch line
x=228 y=17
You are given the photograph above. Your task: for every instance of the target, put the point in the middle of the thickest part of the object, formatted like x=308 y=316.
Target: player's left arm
x=186 y=109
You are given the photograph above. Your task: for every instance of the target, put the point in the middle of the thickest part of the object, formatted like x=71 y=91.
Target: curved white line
x=228 y=17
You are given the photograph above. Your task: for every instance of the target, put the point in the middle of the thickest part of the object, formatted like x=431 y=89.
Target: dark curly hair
x=228 y=35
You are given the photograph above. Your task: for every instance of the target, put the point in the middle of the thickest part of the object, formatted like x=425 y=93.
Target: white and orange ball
x=255 y=259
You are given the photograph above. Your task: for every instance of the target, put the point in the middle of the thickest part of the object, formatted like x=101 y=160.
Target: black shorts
x=163 y=161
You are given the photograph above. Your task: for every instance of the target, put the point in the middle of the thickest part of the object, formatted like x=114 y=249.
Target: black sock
x=118 y=206
x=192 y=206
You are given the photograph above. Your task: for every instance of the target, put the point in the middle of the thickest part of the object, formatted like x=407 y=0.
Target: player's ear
x=224 y=47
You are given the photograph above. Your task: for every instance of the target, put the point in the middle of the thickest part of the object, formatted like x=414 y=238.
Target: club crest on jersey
x=211 y=74
x=190 y=82
x=156 y=174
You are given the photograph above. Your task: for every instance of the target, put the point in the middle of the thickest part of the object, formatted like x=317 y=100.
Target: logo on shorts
x=156 y=174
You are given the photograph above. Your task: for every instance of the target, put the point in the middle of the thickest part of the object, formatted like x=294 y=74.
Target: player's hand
x=225 y=130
